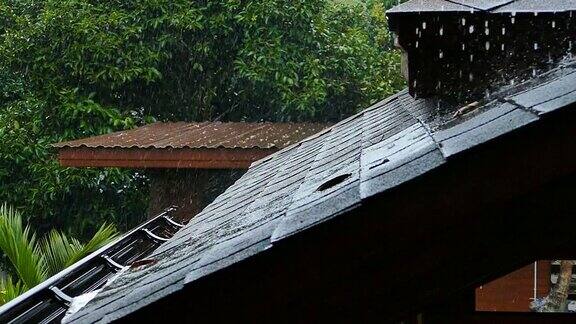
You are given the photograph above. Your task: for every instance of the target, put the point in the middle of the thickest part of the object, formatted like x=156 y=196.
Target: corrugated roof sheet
x=325 y=177
x=202 y=135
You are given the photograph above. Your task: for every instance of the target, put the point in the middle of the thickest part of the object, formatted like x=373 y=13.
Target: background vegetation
x=77 y=68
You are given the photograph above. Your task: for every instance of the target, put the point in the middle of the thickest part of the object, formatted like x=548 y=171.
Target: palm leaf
x=104 y=235
x=19 y=244
x=61 y=251
x=10 y=289
x=57 y=250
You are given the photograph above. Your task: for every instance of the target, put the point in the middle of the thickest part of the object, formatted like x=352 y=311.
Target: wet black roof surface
x=496 y=6
x=384 y=146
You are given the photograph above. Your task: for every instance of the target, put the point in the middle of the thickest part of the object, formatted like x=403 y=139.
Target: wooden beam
x=206 y=158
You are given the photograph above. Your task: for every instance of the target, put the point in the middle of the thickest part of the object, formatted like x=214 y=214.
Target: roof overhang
x=199 y=158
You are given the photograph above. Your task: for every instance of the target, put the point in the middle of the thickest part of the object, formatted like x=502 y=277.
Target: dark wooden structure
x=515 y=291
x=458 y=50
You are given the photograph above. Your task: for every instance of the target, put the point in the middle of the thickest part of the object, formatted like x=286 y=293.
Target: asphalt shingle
x=381 y=148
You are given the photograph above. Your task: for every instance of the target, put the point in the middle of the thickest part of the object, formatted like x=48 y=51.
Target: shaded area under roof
x=185 y=145
x=400 y=163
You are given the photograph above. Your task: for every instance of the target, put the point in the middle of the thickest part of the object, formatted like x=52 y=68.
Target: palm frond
x=61 y=251
x=19 y=245
x=57 y=249
x=10 y=289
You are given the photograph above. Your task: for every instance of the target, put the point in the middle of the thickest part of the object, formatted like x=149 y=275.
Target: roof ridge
x=489 y=9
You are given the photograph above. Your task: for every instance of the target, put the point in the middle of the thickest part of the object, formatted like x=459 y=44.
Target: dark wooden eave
x=200 y=158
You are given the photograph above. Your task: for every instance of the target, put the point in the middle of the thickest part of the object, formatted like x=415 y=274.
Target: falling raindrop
x=533 y=72
x=423 y=25
x=535 y=46
x=463 y=46
x=513 y=13
x=503 y=30
x=471 y=57
x=417 y=30
x=414 y=83
x=485 y=23
x=463 y=21
x=487 y=31
x=471 y=29
x=441 y=54
x=553 y=24
x=416 y=44
x=471 y=77
x=513 y=20
x=460 y=74
x=442 y=31
x=535 y=13
x=487 y=93
x=503 y=47
x=487 y=45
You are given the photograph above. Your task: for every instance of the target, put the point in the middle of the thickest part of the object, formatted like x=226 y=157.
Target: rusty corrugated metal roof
x=202 y=135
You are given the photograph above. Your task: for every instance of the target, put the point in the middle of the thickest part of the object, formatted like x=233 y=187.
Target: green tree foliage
x=31 y=261
x=78 y=68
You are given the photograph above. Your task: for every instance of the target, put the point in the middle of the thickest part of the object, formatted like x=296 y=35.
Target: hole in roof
x=381 y=162
x=334 y=182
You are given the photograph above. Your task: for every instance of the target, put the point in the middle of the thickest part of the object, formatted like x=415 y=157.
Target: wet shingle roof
x=202 y=135
x=325 y=176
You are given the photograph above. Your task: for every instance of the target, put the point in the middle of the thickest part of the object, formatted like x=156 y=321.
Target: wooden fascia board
x=204 y=158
